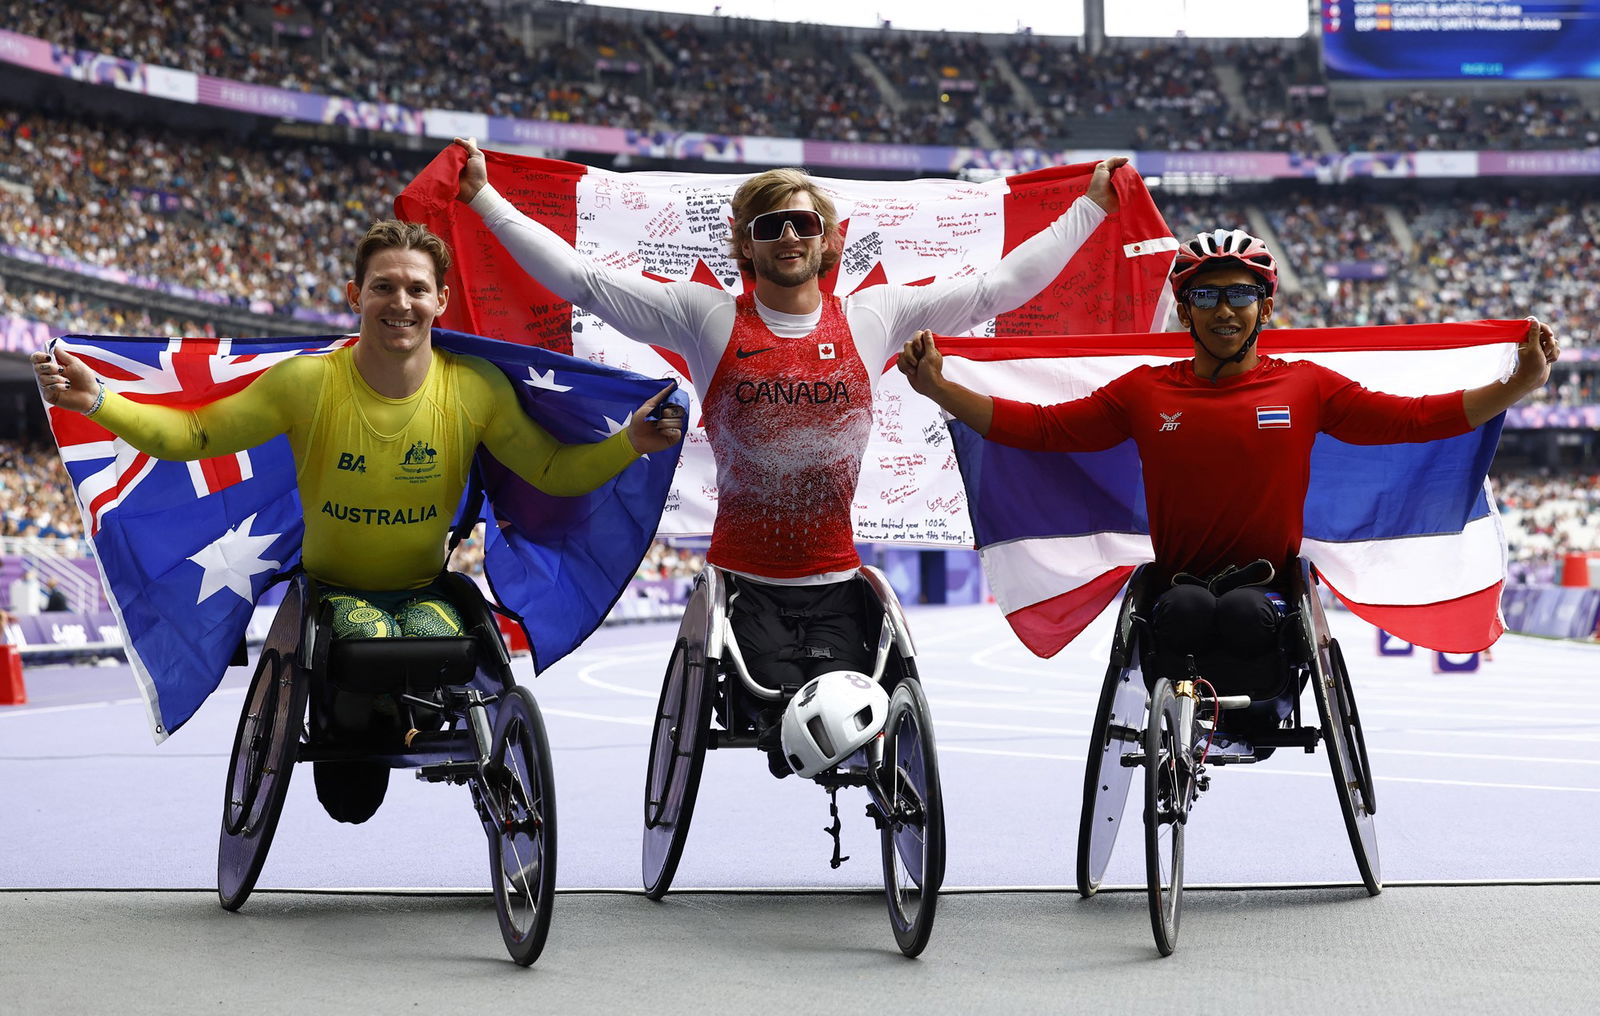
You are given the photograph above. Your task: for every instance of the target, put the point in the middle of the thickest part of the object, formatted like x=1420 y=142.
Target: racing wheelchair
x=710 y=701
x=1169 y=733
x=468 y=720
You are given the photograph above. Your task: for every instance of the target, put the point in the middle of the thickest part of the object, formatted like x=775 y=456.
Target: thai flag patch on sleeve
x=1272 y=417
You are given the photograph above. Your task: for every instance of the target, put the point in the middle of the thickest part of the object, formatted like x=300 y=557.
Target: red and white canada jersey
x=788 y=419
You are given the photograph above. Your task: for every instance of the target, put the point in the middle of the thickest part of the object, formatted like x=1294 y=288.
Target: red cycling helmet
x=1215 y=249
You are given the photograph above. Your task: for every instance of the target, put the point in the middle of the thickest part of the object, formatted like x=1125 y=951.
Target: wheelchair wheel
x=520 y=794
x=677 y=755
x=1347 y=758
x=913 y=835
x=1166 y=808
x=264 y=749
x=1118 y=731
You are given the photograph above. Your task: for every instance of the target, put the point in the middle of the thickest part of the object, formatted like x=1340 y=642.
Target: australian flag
x=186 y=548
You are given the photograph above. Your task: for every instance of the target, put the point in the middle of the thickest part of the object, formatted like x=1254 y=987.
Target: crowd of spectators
x=568 y=62
x=35 y=494
x=1427 y=122
x=64 y=313
x=1547 y=516
x=221 y=216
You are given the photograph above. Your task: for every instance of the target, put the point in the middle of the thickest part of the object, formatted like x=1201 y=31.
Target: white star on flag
x=612 y=426
x=232 y=560
x=545 y=380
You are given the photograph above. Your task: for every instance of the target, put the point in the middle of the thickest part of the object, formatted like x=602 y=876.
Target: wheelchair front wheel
x=1166 y=808
x=520 y=804
x=1347 y=758
x=913 y=830
x=1118 y=731
x=264 y=749
x=677 y=755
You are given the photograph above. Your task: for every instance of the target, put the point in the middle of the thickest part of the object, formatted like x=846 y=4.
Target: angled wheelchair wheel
x=677 y=748
x=1118 y=730
x=519 y=792
x=913 y=834
x=264 y=749
x=1166 y=807
x=1347 y=758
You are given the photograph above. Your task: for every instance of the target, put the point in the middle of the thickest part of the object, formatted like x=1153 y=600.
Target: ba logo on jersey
x=352 y=463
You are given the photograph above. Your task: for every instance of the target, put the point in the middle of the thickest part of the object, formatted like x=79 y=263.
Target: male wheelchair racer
x=840 y=729
x=1171 y=731
x=464 y=720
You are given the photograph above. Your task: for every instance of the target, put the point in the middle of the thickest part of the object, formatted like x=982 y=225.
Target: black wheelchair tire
x=1166 y=803
x=264 y=749
x=1347 y=760
x=677 y=756
x=913 y=852
x=1106 y=782
x=521 y=782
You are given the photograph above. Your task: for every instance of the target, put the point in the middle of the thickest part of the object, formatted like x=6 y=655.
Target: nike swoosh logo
x=742 y=353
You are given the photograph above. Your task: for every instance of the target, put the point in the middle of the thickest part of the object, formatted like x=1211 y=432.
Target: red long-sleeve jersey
x=1227 y=464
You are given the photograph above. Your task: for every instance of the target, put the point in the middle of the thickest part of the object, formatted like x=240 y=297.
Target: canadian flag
x=674 y=227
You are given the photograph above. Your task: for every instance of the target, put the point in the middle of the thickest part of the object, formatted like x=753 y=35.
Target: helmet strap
x=1244 y=350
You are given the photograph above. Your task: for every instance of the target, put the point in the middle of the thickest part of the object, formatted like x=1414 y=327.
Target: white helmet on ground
x=832 y=716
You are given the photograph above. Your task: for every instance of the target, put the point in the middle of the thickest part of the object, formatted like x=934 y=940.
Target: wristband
x=99 y=400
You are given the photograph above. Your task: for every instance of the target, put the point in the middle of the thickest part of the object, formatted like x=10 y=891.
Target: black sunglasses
x=768 y=226
x=1206 y=297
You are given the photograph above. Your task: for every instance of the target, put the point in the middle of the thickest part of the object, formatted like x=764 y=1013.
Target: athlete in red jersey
x=785 y=378
x=1225 y=495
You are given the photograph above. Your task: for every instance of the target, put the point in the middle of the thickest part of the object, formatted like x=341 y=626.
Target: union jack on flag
x=186 y=548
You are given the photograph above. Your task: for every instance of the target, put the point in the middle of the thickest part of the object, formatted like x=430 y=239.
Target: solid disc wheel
x=1118 y=730
x=913 y=832
x=1165 y=810
x=519 y=791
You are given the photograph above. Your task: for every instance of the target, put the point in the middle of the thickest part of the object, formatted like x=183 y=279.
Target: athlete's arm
x=245 y=419
x=531 y=452
x=671 y=314
x=1092 y=423
x=1534 y=356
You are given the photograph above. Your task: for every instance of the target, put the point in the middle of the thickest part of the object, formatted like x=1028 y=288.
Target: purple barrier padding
x=963 y=577
x=902 y=566
x=64 y=630
x=23 y=335
x=1356 y=269
x=26 y=51
x=1559 y=611
x=1558 y=163
x=1514 y=604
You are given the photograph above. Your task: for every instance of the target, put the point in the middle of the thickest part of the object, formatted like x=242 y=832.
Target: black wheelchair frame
x=480 y=728
x=709 y=701
x=1160 y=727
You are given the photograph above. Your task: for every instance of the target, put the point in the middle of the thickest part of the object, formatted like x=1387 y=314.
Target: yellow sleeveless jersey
x=380 y=478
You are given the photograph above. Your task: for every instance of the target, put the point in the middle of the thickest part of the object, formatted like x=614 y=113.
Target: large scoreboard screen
x=1461 y=40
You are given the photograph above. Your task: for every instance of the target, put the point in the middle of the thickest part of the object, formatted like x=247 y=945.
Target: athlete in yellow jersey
x=383 y=434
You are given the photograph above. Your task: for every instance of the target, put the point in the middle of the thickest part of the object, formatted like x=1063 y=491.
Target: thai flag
x=1407 y=535
x=1272 y=417
x=673 y=228
x=186 y=549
